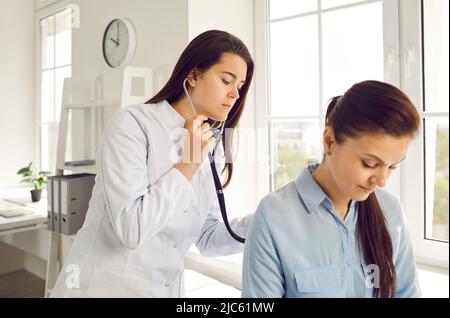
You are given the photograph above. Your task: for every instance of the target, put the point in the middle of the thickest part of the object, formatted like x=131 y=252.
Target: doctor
x=148 y=205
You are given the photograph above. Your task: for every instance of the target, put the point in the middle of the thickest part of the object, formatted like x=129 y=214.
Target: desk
x=35 y=213
x=36 y=218
x=27 y=249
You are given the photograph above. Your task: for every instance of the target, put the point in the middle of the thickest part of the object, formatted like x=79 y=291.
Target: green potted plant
x=35 y=178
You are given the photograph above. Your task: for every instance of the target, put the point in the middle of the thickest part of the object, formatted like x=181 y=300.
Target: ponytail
x=375 y=241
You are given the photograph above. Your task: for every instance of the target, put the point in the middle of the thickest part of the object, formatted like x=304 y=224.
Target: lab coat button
x=175 y=245
x=185 y=211
x=349 y=264
x=167 y=284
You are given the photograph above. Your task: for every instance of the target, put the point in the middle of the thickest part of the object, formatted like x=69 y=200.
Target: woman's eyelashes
x=373 y=166
x=366 y=165
x=229 y=83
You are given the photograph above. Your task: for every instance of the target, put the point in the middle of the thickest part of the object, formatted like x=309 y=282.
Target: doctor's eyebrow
x=232 y=75
x=381 y=161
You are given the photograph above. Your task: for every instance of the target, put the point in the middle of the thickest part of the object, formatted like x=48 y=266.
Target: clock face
x=118 y=42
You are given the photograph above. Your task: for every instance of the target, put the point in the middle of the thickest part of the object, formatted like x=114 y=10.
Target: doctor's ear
x=192 y=77
x=328 y=140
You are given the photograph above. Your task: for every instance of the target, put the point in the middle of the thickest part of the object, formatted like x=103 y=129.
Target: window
x=316 y=50
x=55 y=66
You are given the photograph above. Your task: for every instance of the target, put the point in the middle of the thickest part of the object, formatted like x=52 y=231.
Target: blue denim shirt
x=298 y=246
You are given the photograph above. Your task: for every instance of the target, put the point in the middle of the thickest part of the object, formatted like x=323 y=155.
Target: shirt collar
x=313 y=196
x=310 y=192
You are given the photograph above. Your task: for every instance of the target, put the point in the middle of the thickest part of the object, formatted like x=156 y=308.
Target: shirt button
x=175 y=245
x=185 y=211
x=349 y=264
x=167 y=284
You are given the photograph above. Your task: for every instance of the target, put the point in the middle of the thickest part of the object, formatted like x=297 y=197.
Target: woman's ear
x=328 y=140
x=192 y=77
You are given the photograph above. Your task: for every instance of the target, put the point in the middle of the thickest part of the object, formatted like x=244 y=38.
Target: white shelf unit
x=111 y=90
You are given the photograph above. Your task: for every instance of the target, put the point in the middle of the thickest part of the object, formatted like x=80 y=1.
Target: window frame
x=427 y=251
x=41 y=13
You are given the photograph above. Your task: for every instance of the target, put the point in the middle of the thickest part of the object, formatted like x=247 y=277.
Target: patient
x=333 y=232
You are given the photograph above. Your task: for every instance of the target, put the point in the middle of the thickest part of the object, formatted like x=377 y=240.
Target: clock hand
x=117 y=38
x=117 y=43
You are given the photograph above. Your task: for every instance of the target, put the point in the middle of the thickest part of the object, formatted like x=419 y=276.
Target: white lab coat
x=144 y=214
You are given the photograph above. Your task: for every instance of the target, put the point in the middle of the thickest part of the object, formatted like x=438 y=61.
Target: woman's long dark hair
x=203 y=52
x=373 y=107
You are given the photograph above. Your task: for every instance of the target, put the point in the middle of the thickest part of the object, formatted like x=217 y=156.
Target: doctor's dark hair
x=373 y=107
x=203 y=52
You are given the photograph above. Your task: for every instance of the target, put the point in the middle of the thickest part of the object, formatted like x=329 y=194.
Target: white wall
x=40 y=4
x=17 y=111
x=236 y=17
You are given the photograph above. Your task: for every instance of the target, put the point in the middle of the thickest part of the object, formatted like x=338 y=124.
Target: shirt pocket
x=319 y=282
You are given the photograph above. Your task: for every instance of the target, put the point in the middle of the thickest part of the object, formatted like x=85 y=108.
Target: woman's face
x=358 y=165
x=215 y=91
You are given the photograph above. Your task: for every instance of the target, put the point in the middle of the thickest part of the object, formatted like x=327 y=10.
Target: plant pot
x=35 y=195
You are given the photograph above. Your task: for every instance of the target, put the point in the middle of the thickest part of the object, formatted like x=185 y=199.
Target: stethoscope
x=217 y=130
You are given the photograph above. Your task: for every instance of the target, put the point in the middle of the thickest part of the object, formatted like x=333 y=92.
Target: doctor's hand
x=197 y=146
